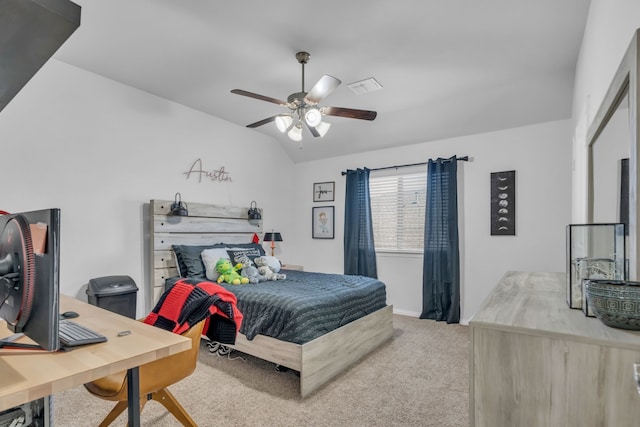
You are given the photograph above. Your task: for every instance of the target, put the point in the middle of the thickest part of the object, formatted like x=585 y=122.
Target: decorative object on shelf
x=324 y=191
x=254 y=214
x=594 y=251
x=586 y=307
x=615 y=302
x=594 y=268
x=178 y=207
x=503 y=203
x=323 y=226
x=272 y=237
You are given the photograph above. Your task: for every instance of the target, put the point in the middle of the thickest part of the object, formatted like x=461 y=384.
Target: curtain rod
x=460 y=159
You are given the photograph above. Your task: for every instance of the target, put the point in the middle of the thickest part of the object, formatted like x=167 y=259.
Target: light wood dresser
x=536 y=362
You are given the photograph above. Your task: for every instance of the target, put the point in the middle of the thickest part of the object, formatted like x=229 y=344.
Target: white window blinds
x=398 y=204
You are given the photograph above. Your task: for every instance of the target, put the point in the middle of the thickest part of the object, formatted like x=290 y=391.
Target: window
x=398 y=204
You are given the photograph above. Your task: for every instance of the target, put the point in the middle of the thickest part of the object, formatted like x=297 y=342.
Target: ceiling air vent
x=365 y=86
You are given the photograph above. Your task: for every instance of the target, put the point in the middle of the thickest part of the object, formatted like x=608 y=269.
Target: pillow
x=209 y=258
x=255 y=246
x=238 y=254
x=188 y=259
x=273 y=263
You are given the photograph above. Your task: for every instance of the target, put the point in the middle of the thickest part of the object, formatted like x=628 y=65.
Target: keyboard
x=73 y=334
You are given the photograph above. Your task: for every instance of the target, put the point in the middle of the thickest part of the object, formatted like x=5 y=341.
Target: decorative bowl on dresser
x=615 y=302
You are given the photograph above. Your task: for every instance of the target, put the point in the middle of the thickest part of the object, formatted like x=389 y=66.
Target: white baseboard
x=406 y=313
x=417 y=315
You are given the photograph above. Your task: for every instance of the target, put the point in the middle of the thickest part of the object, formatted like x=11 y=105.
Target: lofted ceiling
x=447 y=68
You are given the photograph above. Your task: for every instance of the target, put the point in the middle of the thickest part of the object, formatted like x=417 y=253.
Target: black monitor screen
x=29 y=277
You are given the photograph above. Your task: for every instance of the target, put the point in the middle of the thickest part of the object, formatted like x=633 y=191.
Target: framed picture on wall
x=503 y=203
x=322 y=222
x=323 y=191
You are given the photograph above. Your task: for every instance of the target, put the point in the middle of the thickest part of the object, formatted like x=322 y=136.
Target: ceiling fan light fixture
x=295 y=133
x=283 y=122
x=304 y=107
x=313 y=117
x=322 y=128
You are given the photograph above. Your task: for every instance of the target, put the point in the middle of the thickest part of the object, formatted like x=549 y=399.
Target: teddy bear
x=250 y=271
x=229 y=273
x=267 y=270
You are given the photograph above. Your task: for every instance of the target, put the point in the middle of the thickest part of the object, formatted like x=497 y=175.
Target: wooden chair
x=155 y=377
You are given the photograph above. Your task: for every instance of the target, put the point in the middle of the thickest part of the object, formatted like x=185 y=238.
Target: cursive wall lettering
x=216 y=175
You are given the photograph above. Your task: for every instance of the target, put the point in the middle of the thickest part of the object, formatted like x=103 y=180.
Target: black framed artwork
x=503 y=203
x=324 y=191
x=323 y=224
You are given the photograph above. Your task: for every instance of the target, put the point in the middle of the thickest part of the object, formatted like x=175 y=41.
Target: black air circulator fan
x=17 y=273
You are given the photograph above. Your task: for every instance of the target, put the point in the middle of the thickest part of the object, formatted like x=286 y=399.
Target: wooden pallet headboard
x=206 y=224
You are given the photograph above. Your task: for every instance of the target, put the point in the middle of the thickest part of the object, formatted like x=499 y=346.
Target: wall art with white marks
x=503 y=203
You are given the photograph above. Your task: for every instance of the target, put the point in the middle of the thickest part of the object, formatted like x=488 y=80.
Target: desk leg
x=133 y=393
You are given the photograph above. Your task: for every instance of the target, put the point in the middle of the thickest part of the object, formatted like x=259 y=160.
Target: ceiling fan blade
x=260 y=97
x=262 y=122
x=349 y=113
x=322 y=89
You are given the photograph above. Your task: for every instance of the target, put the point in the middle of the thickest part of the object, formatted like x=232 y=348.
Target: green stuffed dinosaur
x=229 y=273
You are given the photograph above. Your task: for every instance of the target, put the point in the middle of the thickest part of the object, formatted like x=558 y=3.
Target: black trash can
x=114 y=293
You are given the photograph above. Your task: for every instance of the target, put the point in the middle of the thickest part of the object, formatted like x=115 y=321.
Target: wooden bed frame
x=318 y=361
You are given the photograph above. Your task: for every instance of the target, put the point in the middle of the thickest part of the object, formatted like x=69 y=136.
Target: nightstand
x=292 y=267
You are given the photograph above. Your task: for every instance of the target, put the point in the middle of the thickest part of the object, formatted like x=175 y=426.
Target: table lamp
x=272 y=237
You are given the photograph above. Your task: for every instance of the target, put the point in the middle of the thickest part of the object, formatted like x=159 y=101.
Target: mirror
x=611 y=138
x=606 y=153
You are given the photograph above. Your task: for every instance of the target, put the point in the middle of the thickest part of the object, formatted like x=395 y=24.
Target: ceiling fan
x=304 y=108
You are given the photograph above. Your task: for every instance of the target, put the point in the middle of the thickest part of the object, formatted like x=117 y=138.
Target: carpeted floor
x=419 y=378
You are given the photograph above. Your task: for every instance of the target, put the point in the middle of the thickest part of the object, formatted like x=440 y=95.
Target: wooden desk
x=30 y=376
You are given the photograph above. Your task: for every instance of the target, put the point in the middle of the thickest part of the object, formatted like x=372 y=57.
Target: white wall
x=541 y=156
x=609 y=30
x=100 y=150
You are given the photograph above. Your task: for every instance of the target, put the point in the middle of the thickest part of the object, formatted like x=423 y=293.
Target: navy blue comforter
x=306 y=305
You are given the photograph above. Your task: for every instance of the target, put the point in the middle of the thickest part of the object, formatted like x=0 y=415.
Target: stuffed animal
x=250 y=271
x=229 y=273
x=266 y=270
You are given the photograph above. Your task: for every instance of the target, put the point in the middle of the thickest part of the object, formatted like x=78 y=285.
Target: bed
x=318 y=354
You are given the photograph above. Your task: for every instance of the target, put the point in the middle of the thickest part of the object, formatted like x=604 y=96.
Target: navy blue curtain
x=441 y=265
x=359 y=250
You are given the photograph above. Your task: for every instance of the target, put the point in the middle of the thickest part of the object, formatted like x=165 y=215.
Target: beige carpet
x=419 y=378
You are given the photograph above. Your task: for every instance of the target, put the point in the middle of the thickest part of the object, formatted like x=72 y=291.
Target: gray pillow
x=189 y=261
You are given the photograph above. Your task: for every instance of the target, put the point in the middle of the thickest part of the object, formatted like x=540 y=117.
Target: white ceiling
x=448 y=68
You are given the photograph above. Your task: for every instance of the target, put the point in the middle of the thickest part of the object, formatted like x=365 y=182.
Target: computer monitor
x=30 y=274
